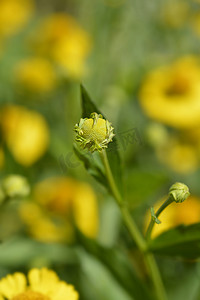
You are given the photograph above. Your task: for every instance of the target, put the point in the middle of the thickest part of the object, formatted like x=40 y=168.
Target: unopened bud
x=179 y=192
x=15 y=186
x=94 y=133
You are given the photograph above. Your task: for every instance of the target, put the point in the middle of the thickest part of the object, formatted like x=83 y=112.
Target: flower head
x=58 y=204
x=14 y=14
x=171 y=94
x=25 y=132
x=43 y=284
x=15 y=186
x=179 y=192
x=94 y=133
x=62 y=39
x=35 y=74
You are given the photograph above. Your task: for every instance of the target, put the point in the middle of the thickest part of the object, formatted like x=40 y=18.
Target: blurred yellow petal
x=59 y=201
x=26 y=133
x=182 y=158
x=64 y=291
x=35 y=74
x=14 y=14
x=43 y=280
x=62 y=39
x=85 y=210
x=171 y=94
x=12 y=285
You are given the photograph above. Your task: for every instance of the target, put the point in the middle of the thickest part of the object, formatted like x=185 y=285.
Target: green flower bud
x=94 y=133
x=15 y=186
x=179 y=192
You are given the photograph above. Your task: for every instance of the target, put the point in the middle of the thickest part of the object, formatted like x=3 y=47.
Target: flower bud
x=15 y=186
x=179 y=192
x=94 y=133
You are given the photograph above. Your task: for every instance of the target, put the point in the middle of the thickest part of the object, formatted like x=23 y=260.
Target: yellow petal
x=12 y=285
x=42 y=280
x=65 y=291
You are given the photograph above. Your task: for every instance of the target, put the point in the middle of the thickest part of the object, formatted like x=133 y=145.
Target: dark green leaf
x=91 y=161
x=182 y=241
x=88 y=106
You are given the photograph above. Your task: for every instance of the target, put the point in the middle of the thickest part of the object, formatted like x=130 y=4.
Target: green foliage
x=182 y=241
x=119 y=266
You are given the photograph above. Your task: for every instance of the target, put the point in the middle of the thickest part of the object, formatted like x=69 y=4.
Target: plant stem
x=134 y=232
x=152 y=223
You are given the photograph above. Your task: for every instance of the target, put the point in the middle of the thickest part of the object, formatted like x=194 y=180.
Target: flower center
x=95 y=132
x=30 y=295
x=179 y=87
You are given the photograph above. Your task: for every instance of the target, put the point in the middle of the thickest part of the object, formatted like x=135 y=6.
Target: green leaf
x=91 y=161
x=182 y=241
x=26 y=250
x=142 y=184
x=119 y=266
x=88 y=106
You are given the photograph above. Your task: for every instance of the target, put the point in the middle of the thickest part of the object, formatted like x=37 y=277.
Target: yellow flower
x=43 y=284
x=186 y=213
x=65 y=42
x=171 y=94
x=14 y=14
x=174 y=13
x=25 y=132
x=58 y=203
x=36 y=74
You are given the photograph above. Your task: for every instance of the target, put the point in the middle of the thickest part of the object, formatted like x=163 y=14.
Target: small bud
x=94 y=133
x=179 y=192
x=15 y=186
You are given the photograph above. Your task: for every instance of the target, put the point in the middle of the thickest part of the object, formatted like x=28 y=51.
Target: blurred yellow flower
x=35 y=74
x=43 y=284
x=174 y=13
x=60 y=202
x=171 y=94
x=14 y=14
x=65 y=42
x=179 y=150
x=188 y=212
x=180 y=157
x=195 y=22
x=25 y=133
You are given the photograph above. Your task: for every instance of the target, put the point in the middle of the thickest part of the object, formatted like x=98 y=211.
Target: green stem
x=111 y=181
x=152 y=223
x=135 y=233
